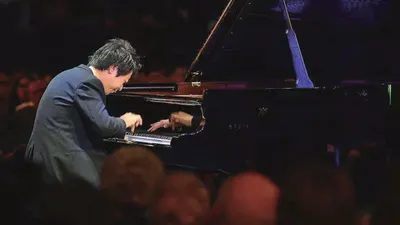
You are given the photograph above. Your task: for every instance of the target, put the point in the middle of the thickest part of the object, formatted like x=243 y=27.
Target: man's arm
x=178 y=118
x=91 y=105
x=186 y=119
x=197 y=121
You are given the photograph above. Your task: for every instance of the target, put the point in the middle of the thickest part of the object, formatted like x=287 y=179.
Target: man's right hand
x=132 y=120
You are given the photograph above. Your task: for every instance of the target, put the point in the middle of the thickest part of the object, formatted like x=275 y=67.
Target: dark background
x=339 y=38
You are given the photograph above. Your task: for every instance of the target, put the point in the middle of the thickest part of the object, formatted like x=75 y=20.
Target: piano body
x=243 y=83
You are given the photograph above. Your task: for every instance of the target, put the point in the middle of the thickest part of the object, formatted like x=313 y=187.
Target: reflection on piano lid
x=183 y=101
x=152 y=109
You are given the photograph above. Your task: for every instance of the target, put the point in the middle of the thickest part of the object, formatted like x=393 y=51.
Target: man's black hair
x=116 y=52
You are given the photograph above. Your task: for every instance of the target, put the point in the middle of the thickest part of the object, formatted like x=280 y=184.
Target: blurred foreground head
x=184 y=200
x=248 y=198
x=315 y=193
x=132 y=175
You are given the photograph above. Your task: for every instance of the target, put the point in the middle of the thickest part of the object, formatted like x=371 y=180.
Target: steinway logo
x=262 y=111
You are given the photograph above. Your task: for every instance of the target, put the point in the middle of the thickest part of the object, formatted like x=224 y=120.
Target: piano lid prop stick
x=212 y=33
x=302 y=79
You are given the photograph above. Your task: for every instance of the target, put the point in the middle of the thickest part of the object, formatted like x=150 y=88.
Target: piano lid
x=339 y=39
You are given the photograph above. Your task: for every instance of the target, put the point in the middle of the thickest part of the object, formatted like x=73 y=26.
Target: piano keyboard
x=148 y=138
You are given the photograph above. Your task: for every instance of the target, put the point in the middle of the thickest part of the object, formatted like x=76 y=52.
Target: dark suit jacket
x=70 y=124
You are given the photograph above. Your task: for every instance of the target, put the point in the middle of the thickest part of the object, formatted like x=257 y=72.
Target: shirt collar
x=85 y=67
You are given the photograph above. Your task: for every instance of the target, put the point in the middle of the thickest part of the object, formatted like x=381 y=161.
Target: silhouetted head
x=316 y=193
x=247 y=198
x=132 y=175
x=184 y=200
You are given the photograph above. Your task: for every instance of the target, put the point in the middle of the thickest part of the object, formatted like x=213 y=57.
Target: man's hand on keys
x=132 y=120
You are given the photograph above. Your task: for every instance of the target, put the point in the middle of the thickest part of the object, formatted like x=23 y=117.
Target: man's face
x=114 y=83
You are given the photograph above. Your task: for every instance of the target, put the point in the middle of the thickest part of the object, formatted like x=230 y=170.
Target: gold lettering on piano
x=262 y=111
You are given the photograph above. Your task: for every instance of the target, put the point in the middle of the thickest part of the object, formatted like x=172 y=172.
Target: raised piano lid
x=242 y=49
x=248 y=47
x=247 y=44
x=338 y=38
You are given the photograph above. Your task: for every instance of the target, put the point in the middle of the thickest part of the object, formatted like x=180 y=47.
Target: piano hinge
x=196 y=84
x=195 y=75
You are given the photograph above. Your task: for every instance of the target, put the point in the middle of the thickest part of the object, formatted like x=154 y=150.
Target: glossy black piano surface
x=251 y=125
x=269 y=127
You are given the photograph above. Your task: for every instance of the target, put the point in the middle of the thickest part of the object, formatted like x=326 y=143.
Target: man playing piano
x=178 y=119
x=72 y=120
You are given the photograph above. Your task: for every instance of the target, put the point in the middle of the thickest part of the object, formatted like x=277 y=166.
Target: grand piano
x=244 y=82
